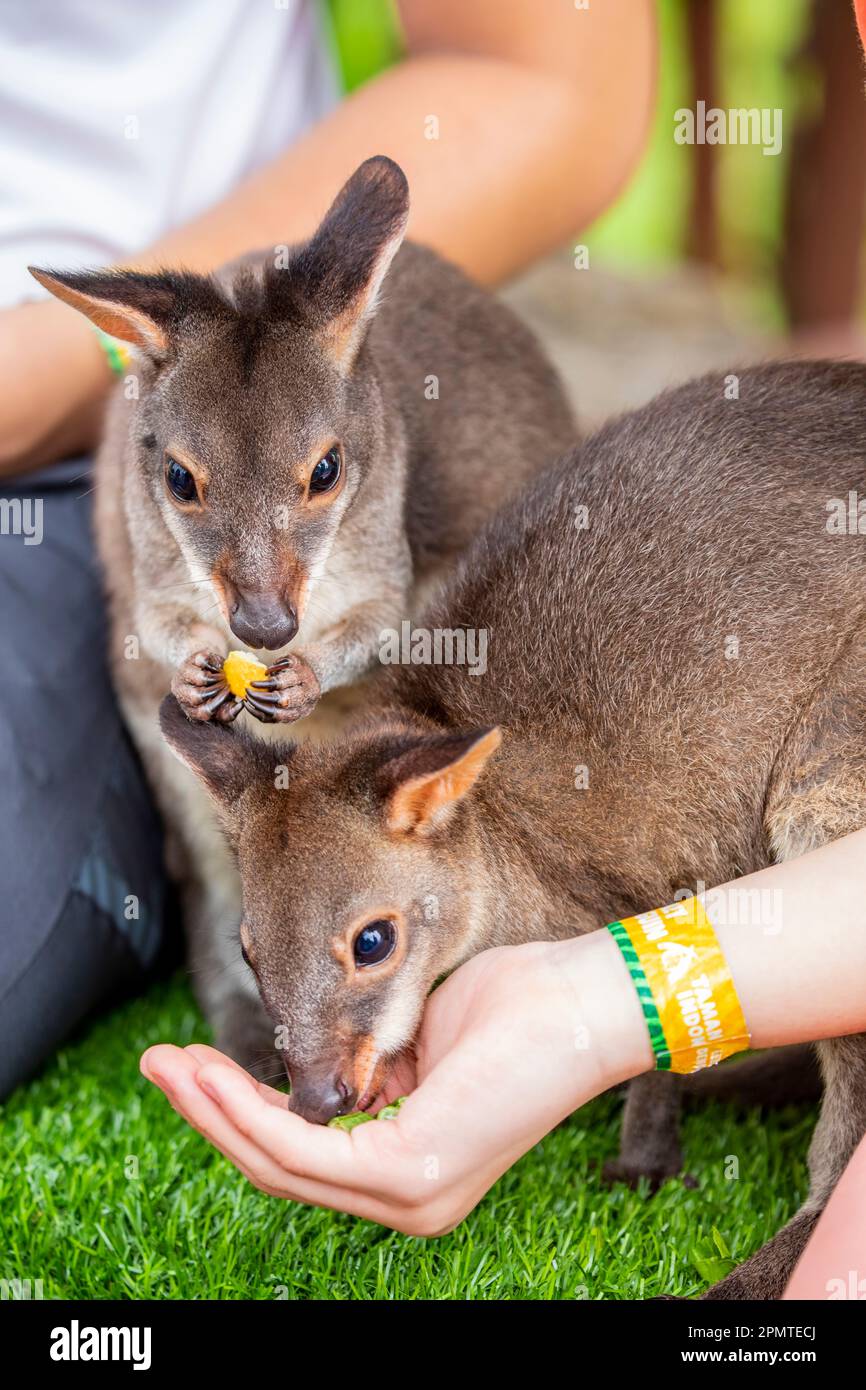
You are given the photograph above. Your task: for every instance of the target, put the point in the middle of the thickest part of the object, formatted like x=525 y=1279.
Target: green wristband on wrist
x=684 y=985
x=116 y=352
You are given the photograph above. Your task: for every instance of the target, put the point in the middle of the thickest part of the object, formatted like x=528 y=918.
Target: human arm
x=520 y=1037
x=831 y=1266
x=540 y=121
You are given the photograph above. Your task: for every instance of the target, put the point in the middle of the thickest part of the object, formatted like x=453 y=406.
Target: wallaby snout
x=320 y=1092
x=262 y=618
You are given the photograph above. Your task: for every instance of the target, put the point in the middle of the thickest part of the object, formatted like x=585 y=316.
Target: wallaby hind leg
x=840 y=1127
x=649 y=1141
x=765 y=1274
x=817 y=794
x=650 y=1134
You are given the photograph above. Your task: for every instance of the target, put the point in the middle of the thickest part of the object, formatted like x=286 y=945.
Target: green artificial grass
x=106 y=1193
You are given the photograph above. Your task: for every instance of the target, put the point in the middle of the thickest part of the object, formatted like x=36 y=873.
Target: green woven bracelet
x=658 y=1042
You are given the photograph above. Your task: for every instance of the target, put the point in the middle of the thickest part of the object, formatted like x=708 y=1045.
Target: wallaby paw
x=290 y=691
x=200 y=688
x=623 y=1170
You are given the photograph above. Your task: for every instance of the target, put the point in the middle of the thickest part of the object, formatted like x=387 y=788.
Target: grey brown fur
x=251 y=374
x=607 y=649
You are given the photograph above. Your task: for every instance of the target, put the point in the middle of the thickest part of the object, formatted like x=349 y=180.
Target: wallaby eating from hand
x=316 y=432
x=675 y=693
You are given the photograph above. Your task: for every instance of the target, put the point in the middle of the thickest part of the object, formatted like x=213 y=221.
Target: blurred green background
x=756 y=53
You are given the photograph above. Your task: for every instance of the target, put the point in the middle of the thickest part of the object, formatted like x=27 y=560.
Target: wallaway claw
x=214 y=702
x=259 y=711
x=287 y=691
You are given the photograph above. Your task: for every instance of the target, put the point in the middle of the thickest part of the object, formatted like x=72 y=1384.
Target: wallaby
x=675 y=692
x=295 y=464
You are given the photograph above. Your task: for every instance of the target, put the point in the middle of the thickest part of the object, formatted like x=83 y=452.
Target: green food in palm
x=360 y=1117
x=390 y=1112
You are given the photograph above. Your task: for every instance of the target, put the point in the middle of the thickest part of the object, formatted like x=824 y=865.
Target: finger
x=380 y=1173
x=377 y=1166
x=400 y=1081
x=265 y=697
x=270 y=712
x=178 y=1075
x=204 y=1054
x=203 y=679
x=216 y=700
x=282 y=682
x=174 y=1073
x=203 y=695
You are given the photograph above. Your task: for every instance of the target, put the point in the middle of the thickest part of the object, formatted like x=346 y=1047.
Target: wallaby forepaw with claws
x=289 y=691
x=200 y=688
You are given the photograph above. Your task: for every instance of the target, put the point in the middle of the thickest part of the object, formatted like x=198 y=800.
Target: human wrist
x=605 y=1028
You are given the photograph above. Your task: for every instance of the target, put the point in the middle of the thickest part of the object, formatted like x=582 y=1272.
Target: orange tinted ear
x=125 y=321
x=422 y=801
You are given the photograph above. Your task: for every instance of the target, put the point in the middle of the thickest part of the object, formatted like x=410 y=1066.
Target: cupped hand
x=509 y=1045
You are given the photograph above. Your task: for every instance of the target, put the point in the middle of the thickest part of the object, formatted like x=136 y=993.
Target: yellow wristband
x=684 y=985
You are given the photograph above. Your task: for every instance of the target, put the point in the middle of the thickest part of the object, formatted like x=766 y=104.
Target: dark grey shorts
x=83 y=901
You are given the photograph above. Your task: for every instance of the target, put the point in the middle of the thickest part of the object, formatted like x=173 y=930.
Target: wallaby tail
x=780 y=1076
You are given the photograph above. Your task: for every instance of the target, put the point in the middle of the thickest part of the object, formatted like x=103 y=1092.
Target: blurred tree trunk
x=826 y=189
x=701 y=18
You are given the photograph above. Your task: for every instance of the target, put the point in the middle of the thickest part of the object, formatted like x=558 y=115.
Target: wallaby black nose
x=319 y=1098
x=262 y=619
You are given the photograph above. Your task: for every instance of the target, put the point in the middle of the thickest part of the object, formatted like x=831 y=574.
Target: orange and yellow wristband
x=684 y=986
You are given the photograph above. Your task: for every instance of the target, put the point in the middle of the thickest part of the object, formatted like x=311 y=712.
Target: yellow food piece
x=240 y=670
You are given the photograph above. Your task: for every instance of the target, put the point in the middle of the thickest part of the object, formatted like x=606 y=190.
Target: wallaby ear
x=225 y=760
x=424 y=784
x=344 y=264
x=141 y=309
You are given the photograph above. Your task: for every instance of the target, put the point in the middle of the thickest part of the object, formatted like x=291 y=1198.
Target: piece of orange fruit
x=240 y=670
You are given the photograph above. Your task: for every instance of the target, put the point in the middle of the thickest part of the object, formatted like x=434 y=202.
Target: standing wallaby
x=672 y=617
x=294 y=464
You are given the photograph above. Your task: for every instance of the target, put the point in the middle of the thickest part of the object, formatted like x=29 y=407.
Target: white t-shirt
x=120 y=119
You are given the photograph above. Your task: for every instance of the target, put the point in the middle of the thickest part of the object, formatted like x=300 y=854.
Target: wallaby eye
x=375 y=942
x=326 y=473
x=181 y=483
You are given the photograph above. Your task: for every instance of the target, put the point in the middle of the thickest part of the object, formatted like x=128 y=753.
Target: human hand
x=509 y=1045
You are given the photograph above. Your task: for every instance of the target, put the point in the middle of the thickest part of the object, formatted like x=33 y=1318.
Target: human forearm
x=518 y=1038
x=831 y=1266
x=794 y=938
x=515 y=123
x=514 y=128
x=800 y=970
x=59 y=380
